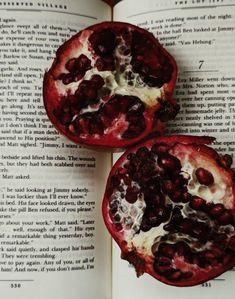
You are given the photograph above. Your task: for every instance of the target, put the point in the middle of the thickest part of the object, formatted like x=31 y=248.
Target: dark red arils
x=103 y=41
x=197 y=203
x=169 y=162
x=119 y=74
x=170 y=205
x=204 y=176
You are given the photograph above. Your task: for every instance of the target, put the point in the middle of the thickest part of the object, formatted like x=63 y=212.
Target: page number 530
x=15 y=285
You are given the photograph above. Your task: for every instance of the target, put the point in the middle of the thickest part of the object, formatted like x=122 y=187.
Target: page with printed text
x=200 y=35
x=53 y=243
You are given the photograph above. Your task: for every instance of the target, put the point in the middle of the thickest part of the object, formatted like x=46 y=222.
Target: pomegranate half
x=110 y=85
x=170 y=205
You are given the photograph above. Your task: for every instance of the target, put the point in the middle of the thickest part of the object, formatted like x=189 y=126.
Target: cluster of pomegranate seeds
x=162 y=206
x=110 y=85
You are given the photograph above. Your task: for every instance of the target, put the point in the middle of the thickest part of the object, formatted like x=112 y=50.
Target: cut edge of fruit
x=49 y=91
x=211 y=272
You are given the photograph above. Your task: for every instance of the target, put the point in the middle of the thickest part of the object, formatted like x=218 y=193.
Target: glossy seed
x=174 y=274
x=132 y=194
x=162 y=264
x=103 y=41
x=142 y=153
x=216 y=210
x=97 y=81
x=225 y=218
x=106 y=63
x=168 y=162
x=226 y=161
x=183 y=248
x=159 y=148
x=167 y=249
x=197 y=203
x=204 y=176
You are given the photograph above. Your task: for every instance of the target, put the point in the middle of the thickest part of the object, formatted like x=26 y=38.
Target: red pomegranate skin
x=111 y=2
x=110 y=86
x=166 y=221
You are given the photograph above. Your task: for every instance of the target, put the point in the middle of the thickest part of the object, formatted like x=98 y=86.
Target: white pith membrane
x=142 y=242
x=115 y=81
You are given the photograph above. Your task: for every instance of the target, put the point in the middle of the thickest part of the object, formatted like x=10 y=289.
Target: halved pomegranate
x=170 y=205
x=110 y=85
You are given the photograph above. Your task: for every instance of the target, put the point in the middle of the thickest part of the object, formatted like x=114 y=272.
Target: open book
x=53 y=243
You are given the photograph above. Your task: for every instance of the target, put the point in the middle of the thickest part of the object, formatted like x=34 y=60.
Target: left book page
x=52 y=240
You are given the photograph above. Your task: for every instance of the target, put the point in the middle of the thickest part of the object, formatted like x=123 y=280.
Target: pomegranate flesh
x=170 y=205
x=110 y=85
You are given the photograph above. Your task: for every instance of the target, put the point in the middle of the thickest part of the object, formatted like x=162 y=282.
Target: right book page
x=200 y=35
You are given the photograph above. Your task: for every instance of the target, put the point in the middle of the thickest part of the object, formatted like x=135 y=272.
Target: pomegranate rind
x=197 y=148
x=52 y=94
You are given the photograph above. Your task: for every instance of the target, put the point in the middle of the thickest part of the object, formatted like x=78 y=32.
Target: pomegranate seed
x=152 y=217
x=169 y=162
x=162 y=265
x=110 y=109
x=83 y=63
x=197 y=203
x=199 y=230
x=166 y=112
x=187 y=275
x=142 y=153
x=219 y=237
x=225 y=218
x=132 y=194
x=116 y=218
x=182 y=248
x=196 y=259
x=217 y=251
x=174 y=274
x=168 y=186
x=70 y=64
x=136 y=108
x=105 y=63
x=186 y=197
x=66 y=119
x=155 y=200
x=96 y=126
x=87 y=92
x=176 y=216
x=78 y=76
x=67 y=78
x=231 y=242
x=153 y=78
x=135 y=130
x=97 y=81
x=176 y=196
x=186 y=226
x=114 y=181
x=226 y=161
x=162 y=260
x=130 y=156
x=167 y=249
x=216 y=210
x=159 y=148
x=103 y=41
x=170 y=227
x=145 y=225
x=114 y=204
x=204 y=176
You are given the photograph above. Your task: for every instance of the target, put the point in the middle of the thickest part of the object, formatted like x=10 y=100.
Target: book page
x=200 y=35
x=53 y=243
